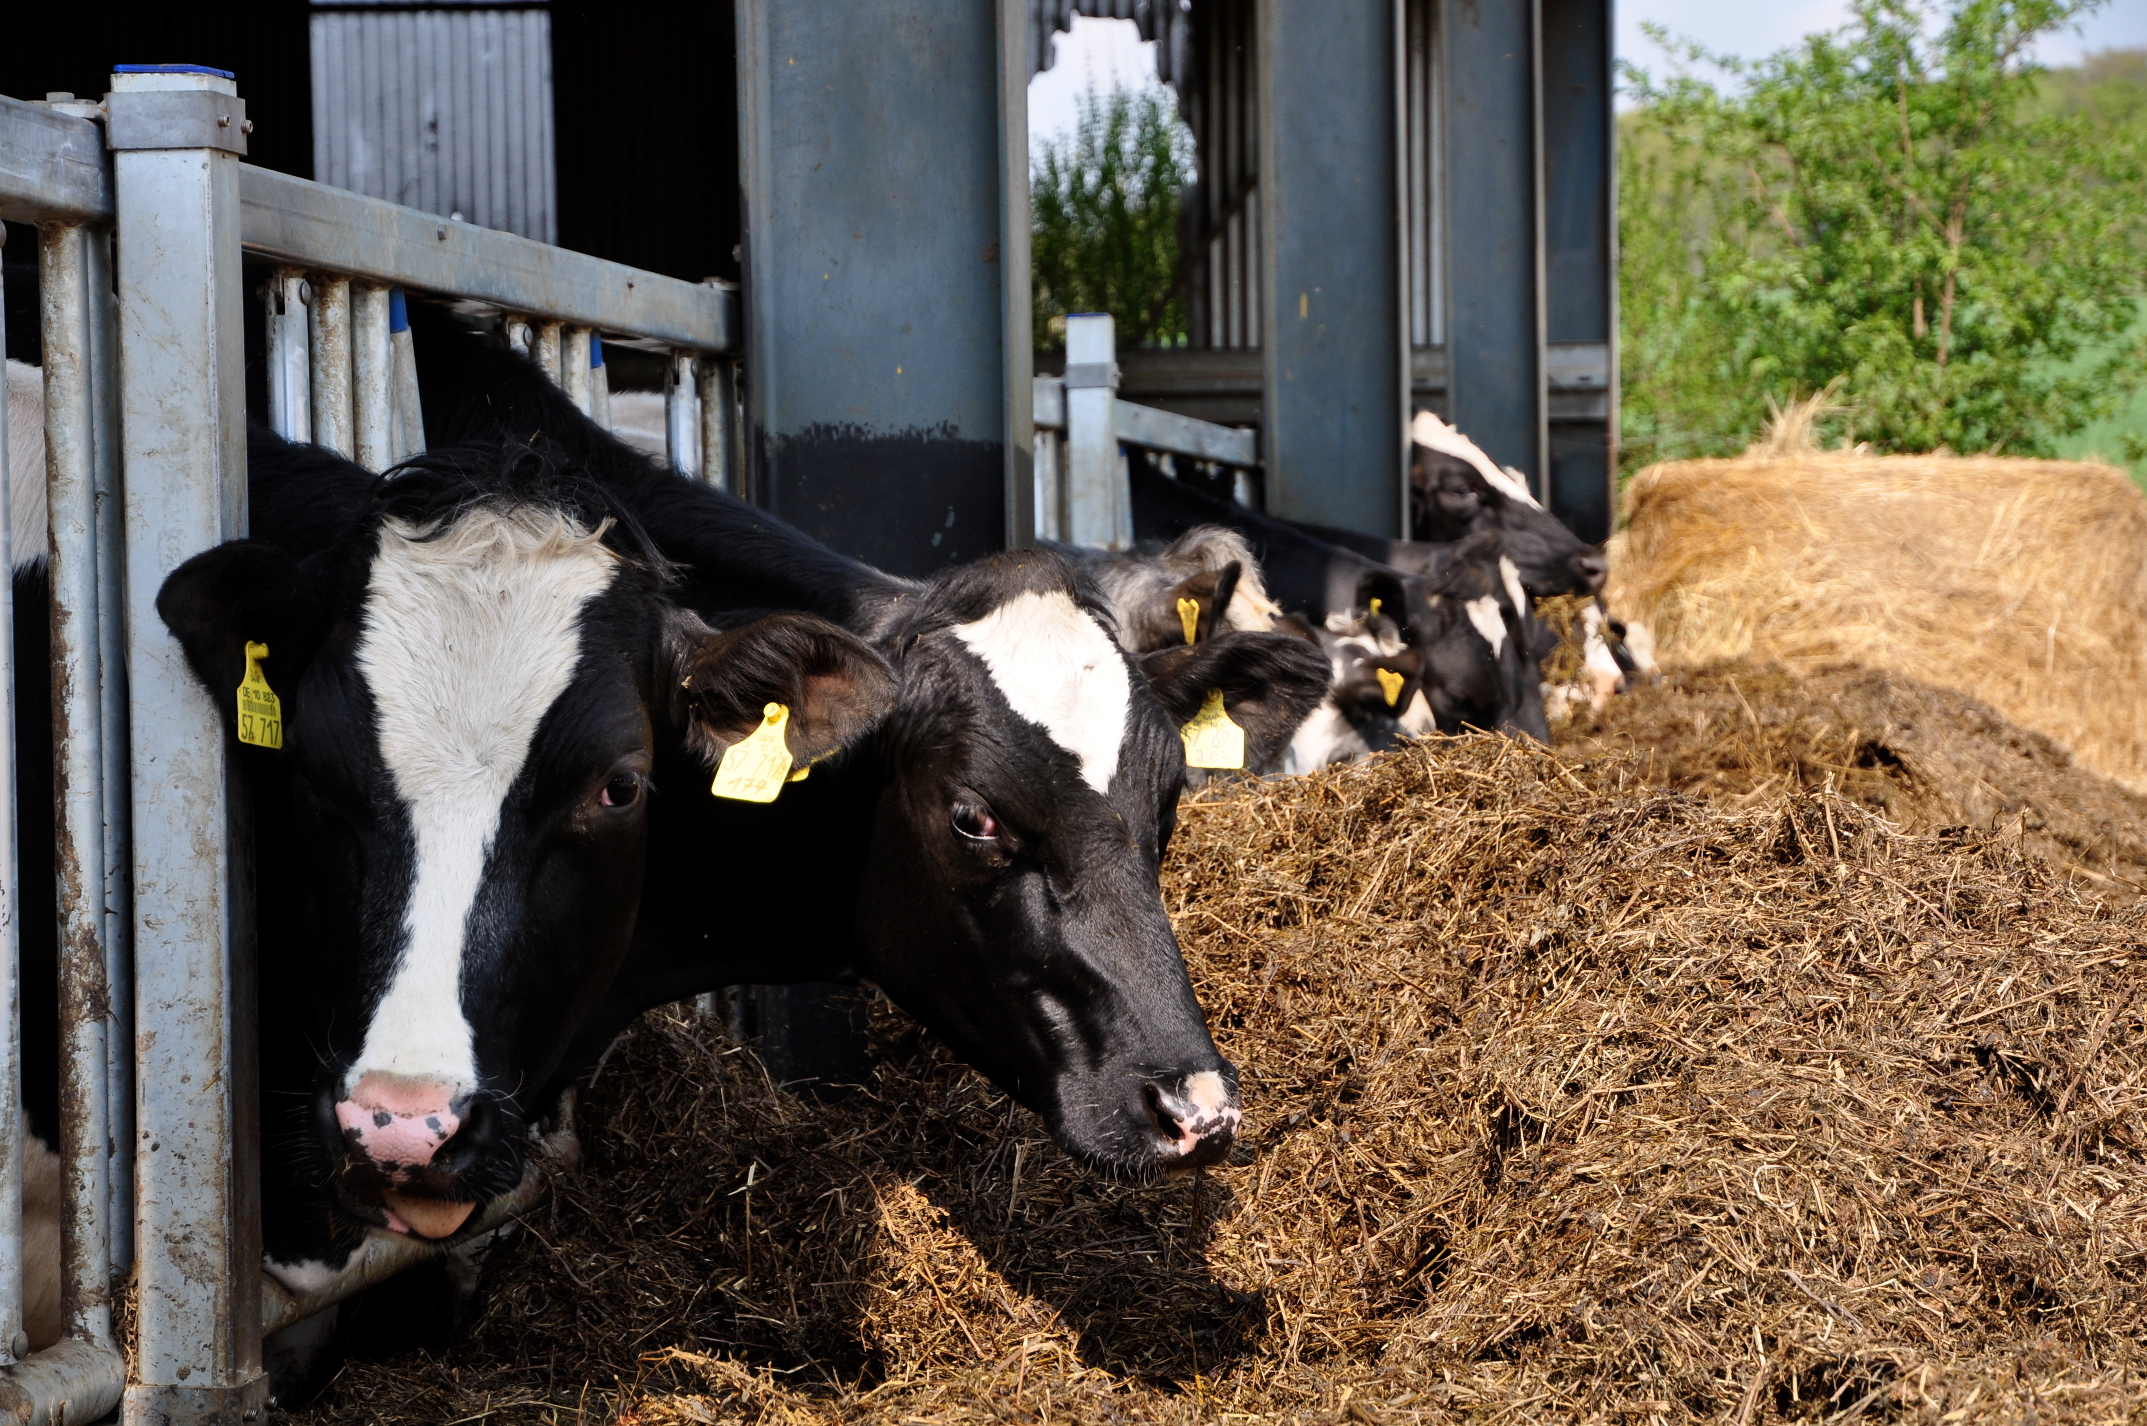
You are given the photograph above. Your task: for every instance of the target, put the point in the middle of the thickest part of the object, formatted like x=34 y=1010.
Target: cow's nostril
x=1161 y=1109
x=1593 y=570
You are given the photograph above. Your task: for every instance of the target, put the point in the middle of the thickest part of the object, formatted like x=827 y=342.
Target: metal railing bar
x=78 y=714
x=1154 y=429
x=14 y=1342
x=306 y=224
x=369 y=377
x=682 y=416
x=53 y=167
x=547 y=351
x=329 y=338
x=718 y=392
x=290 y=362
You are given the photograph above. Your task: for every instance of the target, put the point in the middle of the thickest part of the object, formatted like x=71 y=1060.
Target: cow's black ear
x=1385 y=586
x=836 y=687
x=241 y=592
x=1270 y=683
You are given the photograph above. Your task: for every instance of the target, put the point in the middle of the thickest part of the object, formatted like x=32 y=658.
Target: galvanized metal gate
x=145 y=418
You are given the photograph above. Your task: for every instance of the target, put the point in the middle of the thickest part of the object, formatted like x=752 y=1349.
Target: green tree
x=1885 y=207
x=1104 y=202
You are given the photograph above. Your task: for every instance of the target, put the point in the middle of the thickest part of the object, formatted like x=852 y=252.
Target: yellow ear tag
x=755 y=766
x=1390 y=683
x=1211 y=739
x=260 y=710
x=1375 y=615
x=1189 y=615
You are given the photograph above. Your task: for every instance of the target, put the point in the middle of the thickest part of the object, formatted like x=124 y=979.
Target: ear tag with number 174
x=260 y=710
x=755 y=767
x=1211 y=739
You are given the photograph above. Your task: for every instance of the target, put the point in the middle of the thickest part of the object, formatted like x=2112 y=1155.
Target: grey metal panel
x=1576 y=169
x=312 y=225
x=52 y=166
x=12 y=1337
x=1494 y=238
x=443 y=110
x=1017 y=337
x=872 y=147
x=183 y=428
x=1221 y=226
x=1424 y=167
x=1335 y=350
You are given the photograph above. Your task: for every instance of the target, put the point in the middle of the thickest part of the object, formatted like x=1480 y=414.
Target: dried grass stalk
x=1570 y=1098
x=2020 y=582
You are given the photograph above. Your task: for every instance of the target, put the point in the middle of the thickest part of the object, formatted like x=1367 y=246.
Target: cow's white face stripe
x=1428 y=430
x=469 y=639
x=1483 y=613
x=1058 y=669
x=1511 y=577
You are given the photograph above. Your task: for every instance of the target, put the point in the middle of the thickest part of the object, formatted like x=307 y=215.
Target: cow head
x=475 y=679
x=1456 y=491
x=1481 y=668
x=1030 y=783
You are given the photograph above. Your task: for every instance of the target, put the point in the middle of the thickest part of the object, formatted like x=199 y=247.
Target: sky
x=1104 y=50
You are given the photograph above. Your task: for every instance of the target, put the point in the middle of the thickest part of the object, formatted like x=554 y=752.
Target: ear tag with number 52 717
x=1189 y=615
x=755 y=767
x=1211 y=739
x=260 y=710
x=1390 y=683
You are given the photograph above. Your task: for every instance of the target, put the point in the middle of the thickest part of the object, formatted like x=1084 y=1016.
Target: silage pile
x=1569 y=1097
x=2020 y=582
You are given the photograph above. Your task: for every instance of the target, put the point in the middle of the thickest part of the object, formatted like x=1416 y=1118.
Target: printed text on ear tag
x=1390 y=683
x=260 y=710
x=754 y=768
x=1211 y=739
x=1189 y=615
x=1375 y=615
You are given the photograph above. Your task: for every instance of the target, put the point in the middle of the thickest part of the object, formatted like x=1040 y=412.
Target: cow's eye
x=624 y=790
x=974 y=821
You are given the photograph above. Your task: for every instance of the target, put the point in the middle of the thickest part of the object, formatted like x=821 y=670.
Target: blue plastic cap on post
x=596 y=351
x=398 y=312
x=172 y=69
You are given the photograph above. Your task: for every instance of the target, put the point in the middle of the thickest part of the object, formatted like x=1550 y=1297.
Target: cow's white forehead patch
x=469 y=638
x=1428 y=430
x=1483 y=613
x=1058 y=669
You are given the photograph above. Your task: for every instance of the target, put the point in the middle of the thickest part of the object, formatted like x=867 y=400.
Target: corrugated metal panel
x=447 y=111
x=1222 y=224
x=1169 y=23
x=1424 y=268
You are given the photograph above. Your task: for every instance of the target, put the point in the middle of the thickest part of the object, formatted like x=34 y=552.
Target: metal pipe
x=118 y=900
x=290 y=372
x=1099 y=510
x=519 y=336
x=369 y=375
x=682 y=416
x=574 y=367
x=78 y=777
x=197 y=1350
x=409 y=423
x=546 y=350
x=330 y=330
x=718 y=393
x=14 y=1343
x=599 y=384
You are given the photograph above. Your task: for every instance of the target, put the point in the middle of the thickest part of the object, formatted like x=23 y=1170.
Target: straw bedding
x=2018 y=581
x=1570 y=1096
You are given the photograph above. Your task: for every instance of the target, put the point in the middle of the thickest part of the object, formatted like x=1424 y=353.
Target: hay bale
x=1569 y=1097
x=2020 y=582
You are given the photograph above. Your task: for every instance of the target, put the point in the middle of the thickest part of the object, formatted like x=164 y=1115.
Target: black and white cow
x=1482 y=659
x=989 y=857
x=479 y=666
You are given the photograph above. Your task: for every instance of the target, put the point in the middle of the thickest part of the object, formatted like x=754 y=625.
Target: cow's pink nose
x=398 y=1123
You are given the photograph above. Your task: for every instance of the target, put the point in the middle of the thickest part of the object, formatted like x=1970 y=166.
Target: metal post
x=1334 y=349
x=1017 y=317
x=599 y=384
x=183 y=424
x=71 y=439
x=718 y=399
x=547 y=350
x=574 y=367
x=1579 y=131
x=1495 y=330
x=290 y=370
x=1098 y=507
x=408 y=438
x=370 y=382
x=332 y=415
x=682 y=416
x=519 y=336
x=14 y=1343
